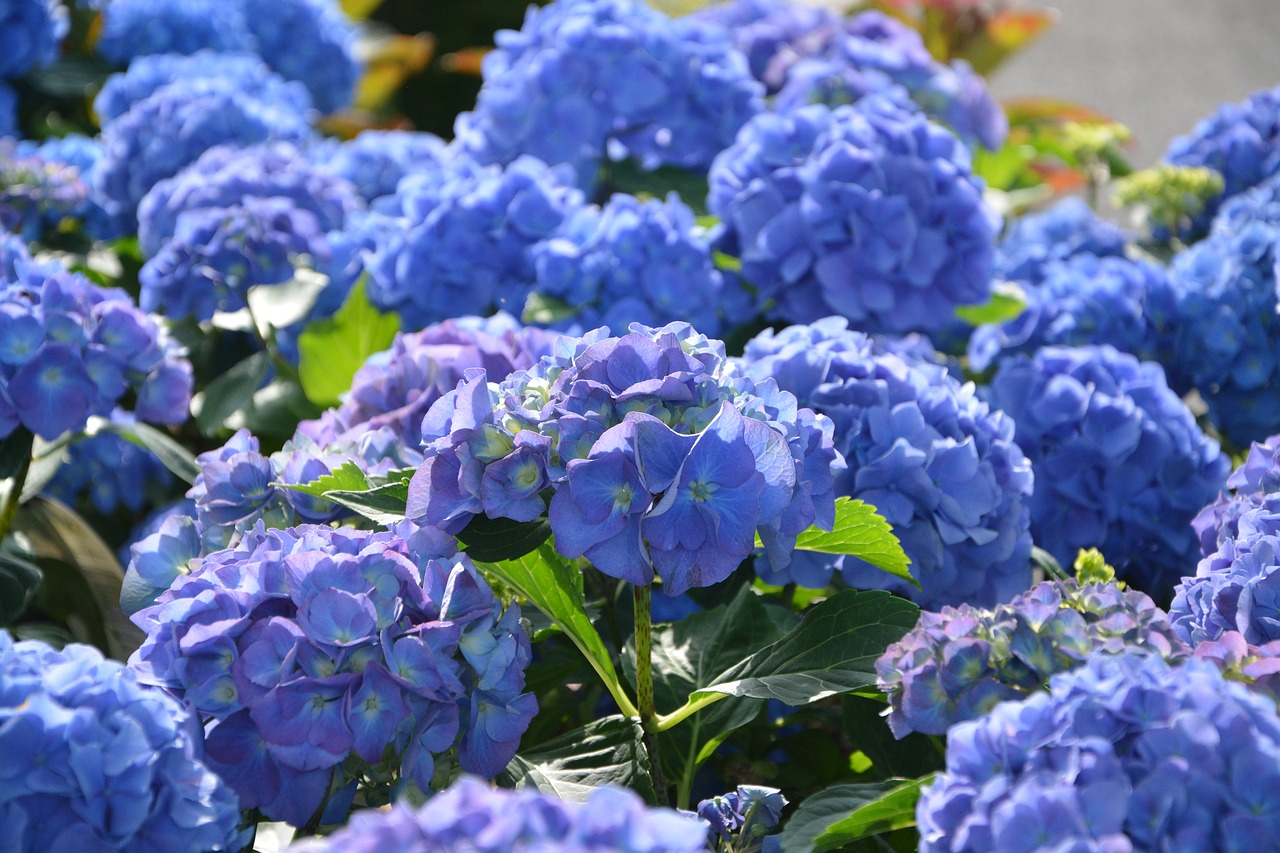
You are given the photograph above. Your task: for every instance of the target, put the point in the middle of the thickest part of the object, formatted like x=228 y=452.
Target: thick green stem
x=14 y=499
x=644 y=684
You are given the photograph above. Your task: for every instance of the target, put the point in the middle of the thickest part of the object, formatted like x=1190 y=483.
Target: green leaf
x=844 y=814
x=543 y=310
x=15 y=450
x=383 y=504
x=1007 y=301
x=627 y=176
x=833 y=650
x=230 y=393
x=172 y=455
x=19 y=581
x=548 y=582
x=865 y=726
x=861 y=533
x=331 y=351
x=495 y=539
x=347 y=477
x=692 y=652
x=82 y=577
x=605 y=752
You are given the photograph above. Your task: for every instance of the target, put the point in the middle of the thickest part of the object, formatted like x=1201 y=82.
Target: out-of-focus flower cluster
x=1125 y=753
x=94 y=761
x=1130 y=305
x=110 y=472
x=30 y=33
x=588 y=81
x=956 y=665
x=37 y=191
x=474 y=817
x=1120 y=463
x=939 y=464
x=70 y=349
x=1067 y=229
x=316 y=657
x=662 y=459
x=806 y=55
x=865 y=211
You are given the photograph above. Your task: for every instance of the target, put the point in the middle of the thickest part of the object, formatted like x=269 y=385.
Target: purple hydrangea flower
x=866 y=211
x=139 y=28
x=661 y=458
x=1130 y=305
x=1064 y=230
x=461 y=243
x=307 y=649
x=939 y=464
x=1255 y=484
x=1125 y=753
x=765 y=30
x=94 y=761
x=587 y=81
x=956 y=665
x=742 y=815
x=1120 y=463
x=472 y=816
x=1241 y=141
x=162 y=547
x=70 y=349
x=31 y=32
x=631 y=262
x=1256 y=665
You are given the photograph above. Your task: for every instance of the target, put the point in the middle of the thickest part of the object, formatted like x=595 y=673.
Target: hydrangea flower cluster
x=36 y=192
x=1240 y=660
x=586 y=80
x=766 y=31
x=138 y=28
x=1235 y=588
x=311 y=649
x=30 y=33
x=1034 y=242
x=1228 y=343
x=1255 y=484
x=1124 y=753
x=110 y=471
x=740 y=817
x=1130 y=305
x=866 y=211
x=82 y=154
x=958 y=664
x=376 y=160
x=1120 y=463
x=168 y=130
x=1240 y=141
x=462 y=243
x=662 y=459
x=70 y=349
x=939 y=464
x=629 y=262
x=475 y=817
x=94 y=761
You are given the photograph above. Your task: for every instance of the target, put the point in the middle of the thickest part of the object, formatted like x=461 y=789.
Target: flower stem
x=644 y=684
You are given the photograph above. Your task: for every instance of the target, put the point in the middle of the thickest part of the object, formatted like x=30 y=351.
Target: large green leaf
x=690 y=653
x=864 y=724
x=833 y=650
x=19 y=580
x=605 y=752
x=332 y=350
x=860 y=532
x=382 y=504
x=346 y=477
x=845 y=814
x=495 y=539
x=554 y=586
x=230 y=393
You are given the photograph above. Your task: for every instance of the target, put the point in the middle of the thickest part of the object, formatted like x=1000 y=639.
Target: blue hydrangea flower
x=110 y=472
x=1065 y=229
x=8 y=111
x=311 y=41
x=742 y=815
x=1241 y=141
x=1125 y=753
x=866 y=211
x=1120 y=463
x=462 y=243
x=1236 y=587
x=473 y=816
x=94 y=761
x=956 y=665
x=376 y=160
x=154 y=561
x=149 y=73
x=1255 y=484
x=586 y=81
x=766 y=29
x=217 y=254
x=167 y=131
x=82 y=154
x=31 y=32
x=939 y=464
x=631 y=262
x=663 y=460
x=1130 y=305
x=138 y=28
x=309 y=649
x=1228 y=340
x=37 y=192
x=70 y=349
